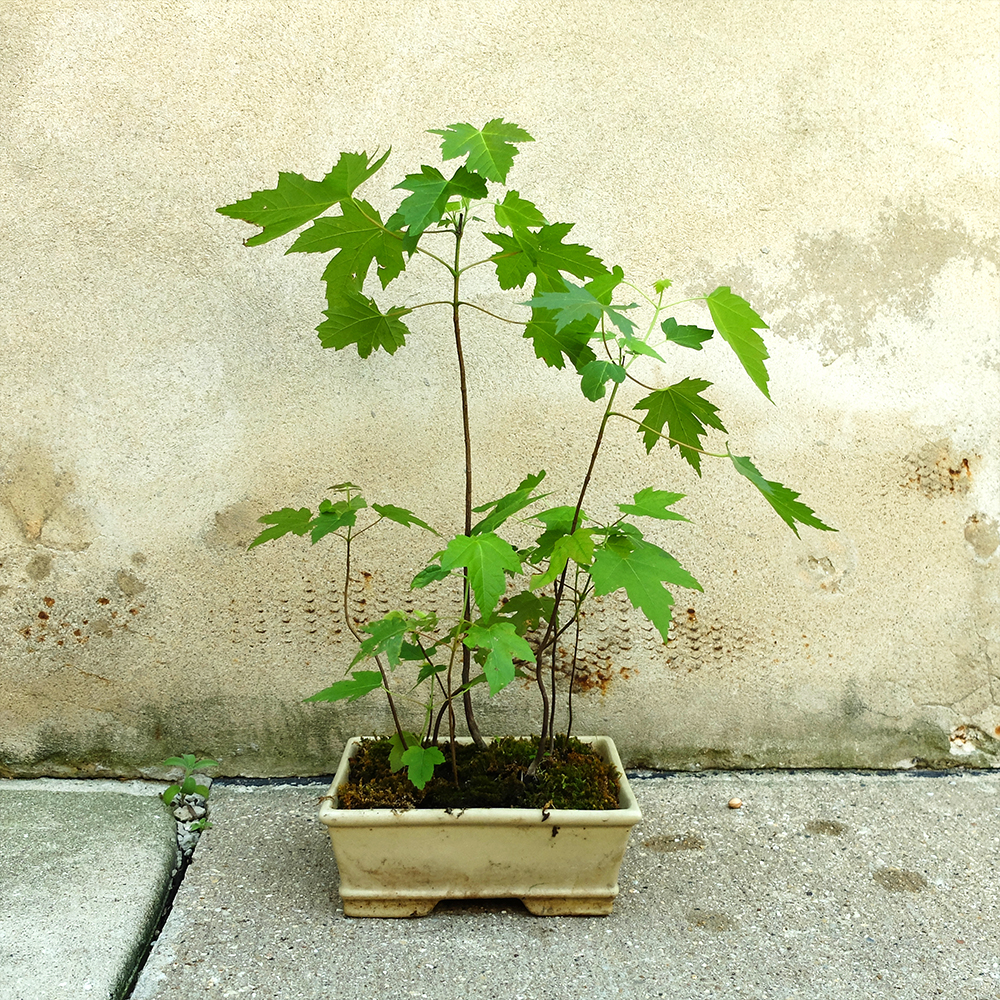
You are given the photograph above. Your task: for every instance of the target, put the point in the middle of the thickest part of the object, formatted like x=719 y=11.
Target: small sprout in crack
x=188 y=785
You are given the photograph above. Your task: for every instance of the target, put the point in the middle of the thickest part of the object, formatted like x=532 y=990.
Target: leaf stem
x=670 y=305
x=471 y=305
x=456 y=271
x=503 y=319
x=478 y=263
x=636 y=288
x=666 y=437
x=357 y=636
x=552 y=630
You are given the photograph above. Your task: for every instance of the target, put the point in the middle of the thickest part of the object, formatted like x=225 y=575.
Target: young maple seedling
x=574 y=323
x=188 y=785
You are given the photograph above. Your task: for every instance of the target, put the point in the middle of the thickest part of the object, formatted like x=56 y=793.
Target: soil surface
x=573 y=776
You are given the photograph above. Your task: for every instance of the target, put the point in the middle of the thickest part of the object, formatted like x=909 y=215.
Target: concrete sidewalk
x=836 y=886
x=85 y=867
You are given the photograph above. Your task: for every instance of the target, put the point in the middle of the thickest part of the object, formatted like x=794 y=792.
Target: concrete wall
x=834 y=162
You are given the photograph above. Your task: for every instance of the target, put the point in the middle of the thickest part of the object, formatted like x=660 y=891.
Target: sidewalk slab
x=84 y=869
x=832 y=886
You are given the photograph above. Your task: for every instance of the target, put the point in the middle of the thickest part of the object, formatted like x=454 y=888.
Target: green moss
x=573 y=777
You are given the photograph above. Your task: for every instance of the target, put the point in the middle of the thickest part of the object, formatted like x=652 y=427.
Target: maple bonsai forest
x=518 y=608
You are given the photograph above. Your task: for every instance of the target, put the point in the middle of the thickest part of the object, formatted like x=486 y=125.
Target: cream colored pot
x=558 y=862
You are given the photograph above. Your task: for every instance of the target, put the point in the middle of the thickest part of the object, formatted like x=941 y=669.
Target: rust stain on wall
x=935 y=470
x=65 y=624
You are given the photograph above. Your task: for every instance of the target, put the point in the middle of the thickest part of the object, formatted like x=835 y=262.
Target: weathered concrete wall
x=836 y=163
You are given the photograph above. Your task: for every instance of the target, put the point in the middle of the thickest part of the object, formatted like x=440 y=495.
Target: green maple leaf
x=359 y=237
x=781 y=498
x=286 y=521
x=596 y=375
x=363 y=682
x=558 y=521
x=509 y=504
x=579 y=547
x=544 y=254
x=420 y=763
x=560 y=518
x=556 y=342
x=738 y=325
x=398 y=749
x=687 y=415
x=429 y=200
x=636 y=346
x=353 y=318
x=685 y=336
x=515 y=211
x=335 y=515
x=414 y=651
x=296 y=199
x=513 y=265
x=427 y=670
x=526 y=611
x=555 y=348
x=574 y=303
x=401 y=516
x=503 y=646
x=627 y=562
x=386 y=636
x=491 y=149
x=486 y=557
x=654 y=503
x=428 y=575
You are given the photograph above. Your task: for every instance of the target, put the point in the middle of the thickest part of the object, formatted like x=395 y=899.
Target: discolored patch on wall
x=822 y=574
x=128 y=583
x=611 y=628
x=307 y=615
x=842 y=281
x=37 y=495
x=236 y=526
x=983 y=534
x=39 y=566
x=937 y=470
x=968 y=740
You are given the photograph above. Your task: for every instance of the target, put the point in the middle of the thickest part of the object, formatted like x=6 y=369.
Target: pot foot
x=389 y=906
x=568 y=906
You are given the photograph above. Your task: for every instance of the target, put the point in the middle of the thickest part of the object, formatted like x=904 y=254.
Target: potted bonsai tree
x=518 y=607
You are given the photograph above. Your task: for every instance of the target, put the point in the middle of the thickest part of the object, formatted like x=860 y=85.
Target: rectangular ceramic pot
x=401 y=864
